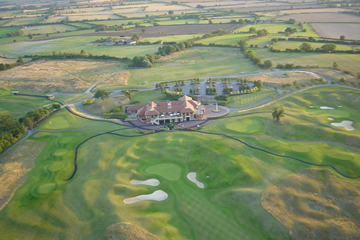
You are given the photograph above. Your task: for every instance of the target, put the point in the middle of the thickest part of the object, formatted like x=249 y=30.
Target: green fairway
x=246 y=100
x=225 y=39
x=235 y=175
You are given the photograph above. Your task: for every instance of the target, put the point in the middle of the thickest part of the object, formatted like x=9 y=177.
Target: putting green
x=45 y=188
x=245 y=125
x=60 y=152
x=300 y=148
x=57 y=166
x=65 y=140
x=168 y=171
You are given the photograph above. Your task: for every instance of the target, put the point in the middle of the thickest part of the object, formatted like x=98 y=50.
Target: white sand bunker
x=311 y=106
x=330 y=118
x=326 y=107
x=344 y=124
x=150 y=182
x=192 y=177
x=158 y=195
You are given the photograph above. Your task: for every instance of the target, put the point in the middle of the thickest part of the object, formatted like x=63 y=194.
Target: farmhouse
x=185 y=109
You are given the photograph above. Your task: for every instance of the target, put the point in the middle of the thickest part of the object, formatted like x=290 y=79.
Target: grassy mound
x=168 y=171
x=315 y=204
x=128 y=231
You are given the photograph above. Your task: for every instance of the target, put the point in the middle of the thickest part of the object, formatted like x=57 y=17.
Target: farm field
x=87 y=16
x=48 y=29
x=81 y=24
x=235 y=176
x=22 y=21
x=348 y=62
x=309 y=32
x=335 y=30
x=246 y=100
x=196 y=62
x=175 y=38
x=282 y=45
x=271 y=28
x=57 y=75
x=321 y=17
x=117 y=22
x=225 y=39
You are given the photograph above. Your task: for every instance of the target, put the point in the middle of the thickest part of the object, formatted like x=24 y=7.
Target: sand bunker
x=326 y=107
x=312 y=106
x=330 y=118
x=192 y=177
x=158 y=195
x=344 y=124
x=150 y=182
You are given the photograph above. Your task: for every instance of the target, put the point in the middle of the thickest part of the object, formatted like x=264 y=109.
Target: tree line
x=12 y=129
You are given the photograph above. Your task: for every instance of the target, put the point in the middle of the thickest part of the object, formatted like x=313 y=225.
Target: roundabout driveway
x=210 y=114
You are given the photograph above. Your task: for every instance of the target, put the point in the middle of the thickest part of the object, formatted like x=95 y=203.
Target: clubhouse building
x=185 y=109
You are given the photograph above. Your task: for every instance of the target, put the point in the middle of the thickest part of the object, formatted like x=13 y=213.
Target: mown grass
x=151 y=95
x=5 y=30
x=18 y=106
x=246 y=100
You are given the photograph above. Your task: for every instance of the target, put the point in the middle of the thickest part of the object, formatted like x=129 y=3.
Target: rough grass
x=302 y=204
x=22 y=21
x=117 y=79
x=280 y=77
x=66 y=75
x=250 y=99
x=176 y=38
x=102 y=106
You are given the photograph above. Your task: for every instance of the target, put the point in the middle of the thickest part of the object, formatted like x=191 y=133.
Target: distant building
x=185 y=109
x=50 y=97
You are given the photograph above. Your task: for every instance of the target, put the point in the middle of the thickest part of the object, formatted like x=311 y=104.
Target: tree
x=292 y=21
x=329 y=47
x=143 y=30
x=242 y=43
x=135 y=37
x=305 y=47
x=335 y=65
x=30 y=36
x=101 y=93
x=56 y=106
x=278 y=113
x=82 y=52
x=268 y=64
x=295 y=83
x=358 y=74
x=128 y=94
x=7 y=122
x=342 y=37
x=171 y=12
x=274 y=40
x=146 y=63
x=20 y=60
x=252 y=30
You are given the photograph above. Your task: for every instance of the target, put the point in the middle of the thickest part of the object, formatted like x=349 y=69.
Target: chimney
x=169 y=104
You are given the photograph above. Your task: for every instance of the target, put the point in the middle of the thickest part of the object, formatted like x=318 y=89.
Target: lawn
x=197 y=62
x=225 y=39
x=246 y=100
x=151 y=95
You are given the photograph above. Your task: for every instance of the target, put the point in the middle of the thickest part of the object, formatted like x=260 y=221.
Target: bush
x=88 y=102
x=134 y=102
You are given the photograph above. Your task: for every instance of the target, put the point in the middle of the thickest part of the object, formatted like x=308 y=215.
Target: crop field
x=282 y=45
x=322 y=17
x=22 y=21
x=48 y=29
x=235 y=176
x=175 y=38
x=81 y=24
x=335 y=30
x=225 y=39
x=178 y=22
x=81 y=17
x=246 y=100
x=66 y=76
x=117 y=22
x=271 y=28
x=55 y=19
